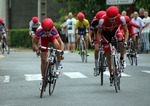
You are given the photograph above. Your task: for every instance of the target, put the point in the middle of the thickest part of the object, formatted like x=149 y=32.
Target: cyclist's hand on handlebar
x=125 y=44
x=38 y=52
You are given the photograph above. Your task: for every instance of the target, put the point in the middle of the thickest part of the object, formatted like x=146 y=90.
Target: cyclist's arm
x=126 y=33
x=99 y=34
x=30 y=32
x=61 y=44
x=6 y=29
x=75 y=30
x=35 y=44
x=90 y=33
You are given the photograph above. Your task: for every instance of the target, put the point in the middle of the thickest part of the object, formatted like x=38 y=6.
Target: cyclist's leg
x=134 y=41
x=43 y=62
x=96 y=54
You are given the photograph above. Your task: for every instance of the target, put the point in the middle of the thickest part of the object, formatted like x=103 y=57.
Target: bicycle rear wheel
x=45 y=79
x=130 y=57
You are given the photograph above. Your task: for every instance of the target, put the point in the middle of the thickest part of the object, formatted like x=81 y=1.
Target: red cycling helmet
x=127 y=18
x=1 y=20
x=35 y=19
x=47 y=23
x=100 y=14
x=80 y=16
x=112 y=12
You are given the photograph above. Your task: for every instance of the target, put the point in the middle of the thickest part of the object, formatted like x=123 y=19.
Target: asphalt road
x=20 y=79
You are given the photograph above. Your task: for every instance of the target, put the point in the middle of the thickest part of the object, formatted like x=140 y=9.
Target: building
x=18 y=13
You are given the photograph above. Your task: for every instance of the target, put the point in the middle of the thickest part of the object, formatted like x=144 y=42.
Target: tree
x=91 y=7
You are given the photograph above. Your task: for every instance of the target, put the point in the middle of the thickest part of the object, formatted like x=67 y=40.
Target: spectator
x=139 y=42
x=145 y=32
x=64 y=37
x=131 y=16
x=141 y=12
x=70 y=32
x=124 y=13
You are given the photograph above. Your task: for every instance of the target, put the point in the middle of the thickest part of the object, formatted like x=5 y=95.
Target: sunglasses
x=47 y=30
x=114 y=18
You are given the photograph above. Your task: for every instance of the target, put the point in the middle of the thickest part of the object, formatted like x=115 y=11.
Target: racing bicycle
x=4 y=47
x=131 y=54
x=115 y=64
x=82 y=48
x=102 y=62
x=50 y=77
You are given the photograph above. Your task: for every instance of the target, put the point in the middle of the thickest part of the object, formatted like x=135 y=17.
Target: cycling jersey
x=94 y=27
x=83 y=24
x=45 y=39
x=2 y=25
x=130 y=26
x=33 y=26
x=110 y=30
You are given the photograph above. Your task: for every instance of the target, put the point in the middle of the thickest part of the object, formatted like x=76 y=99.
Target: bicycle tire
x=130 y=58
x=115 y=74
x=85 y=52
x=45 y=79
x=102 y=67
x=52 y=81
x=135 y=60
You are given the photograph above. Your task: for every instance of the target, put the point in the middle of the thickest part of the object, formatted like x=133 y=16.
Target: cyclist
x=109 y=27
x=94 y=27
x=33 y=26
x=47 y=33
x=130 y=26
x=82 y=25
x=3 y=30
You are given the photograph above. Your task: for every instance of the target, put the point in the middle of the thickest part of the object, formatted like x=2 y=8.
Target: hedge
x=20 y=38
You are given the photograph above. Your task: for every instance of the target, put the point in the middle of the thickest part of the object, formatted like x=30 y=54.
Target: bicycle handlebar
x=51 y=49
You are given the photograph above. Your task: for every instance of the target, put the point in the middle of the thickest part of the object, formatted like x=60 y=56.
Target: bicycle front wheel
x=45 y=79
x=53 y=78
x=101 y=66
x=135 y=60
x=115 y=75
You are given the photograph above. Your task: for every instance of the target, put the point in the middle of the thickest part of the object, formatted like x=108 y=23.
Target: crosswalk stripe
x=122 y=74
x=6 y=79
x=74 y=75
x=33 y=77
x=146 y=71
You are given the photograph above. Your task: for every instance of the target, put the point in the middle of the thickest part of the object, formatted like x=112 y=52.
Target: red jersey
x=40 y=33
x=130 y=26
x=106 y=25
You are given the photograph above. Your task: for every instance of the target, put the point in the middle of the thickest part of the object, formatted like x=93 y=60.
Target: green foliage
x=91 y=7
x=20 y=38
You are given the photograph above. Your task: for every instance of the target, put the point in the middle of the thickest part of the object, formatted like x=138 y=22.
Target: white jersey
x=147 y=28
x=71 y=25
x=33 y=26
x=139 y=22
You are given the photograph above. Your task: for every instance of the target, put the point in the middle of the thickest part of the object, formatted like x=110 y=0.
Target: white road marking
x=122 y=74
x=6 y=79
x=75 y=75
x=33 y=77
x=146 y=71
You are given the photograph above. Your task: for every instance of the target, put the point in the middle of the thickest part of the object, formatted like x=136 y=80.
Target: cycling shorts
x=84 y=30
x=3 y=32
x=107 y=37
x=45 y=42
